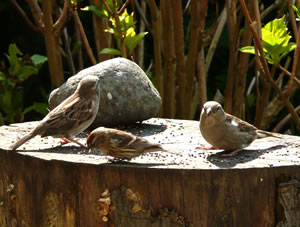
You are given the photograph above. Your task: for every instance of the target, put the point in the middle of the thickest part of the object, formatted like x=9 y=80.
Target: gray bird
x=72 y=116
x=227 y=132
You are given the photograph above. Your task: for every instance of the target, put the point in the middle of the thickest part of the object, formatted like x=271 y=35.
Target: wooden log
x=45 y=184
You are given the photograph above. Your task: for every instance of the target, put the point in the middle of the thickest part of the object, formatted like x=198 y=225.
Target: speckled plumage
x=120 y=144
x=72 y=116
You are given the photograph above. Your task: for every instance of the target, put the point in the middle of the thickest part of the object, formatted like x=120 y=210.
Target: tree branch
x=61 y=21
x=84 y=38
x=37 y=13
x=24 y=15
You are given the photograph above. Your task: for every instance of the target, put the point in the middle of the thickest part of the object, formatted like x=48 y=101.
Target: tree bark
x=180 y=58
x=156 y=21
x=169 y=59
x=53 y=47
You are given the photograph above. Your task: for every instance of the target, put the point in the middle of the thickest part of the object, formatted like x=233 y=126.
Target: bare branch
x=107 y=7
x=24 y=15
x=288 y=74
x=123 y=7
x=61 y=21
x=37 y=13
x=84 y=38
x=284 y=121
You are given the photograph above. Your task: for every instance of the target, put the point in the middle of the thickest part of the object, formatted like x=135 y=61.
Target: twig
x=24 y=15
x=284 y=121
x=61 y=21
x=107 y=7
x=288 y=91
x=143 y=16
x=123 y=7
x=37 y=13
x=292 y=18
x=288 y=74
x=270 y=8
x=222 y=20
x=84 y=38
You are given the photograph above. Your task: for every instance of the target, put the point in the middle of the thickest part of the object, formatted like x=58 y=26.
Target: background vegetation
x=191 y=50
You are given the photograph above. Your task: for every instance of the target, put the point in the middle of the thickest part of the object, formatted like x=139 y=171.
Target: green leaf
x=38 y=107
x=111 y=51
x=248 y=49
x=296 y=10
x=275 y=40
x=13 y=52
x=26 y=71
x=38 y=60
x=131 y=41
x=2 y=76
x=98 y=12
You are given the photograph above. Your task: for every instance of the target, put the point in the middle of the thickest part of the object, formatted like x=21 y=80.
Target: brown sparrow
x=72 y=116
x=225 y=131
x=120 y=144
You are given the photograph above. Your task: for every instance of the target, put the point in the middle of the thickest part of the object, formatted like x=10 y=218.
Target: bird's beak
x=208 y=111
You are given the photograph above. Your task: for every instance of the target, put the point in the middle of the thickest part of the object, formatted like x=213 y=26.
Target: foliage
x=19 y=69
x=125 y=33
x=275 y=39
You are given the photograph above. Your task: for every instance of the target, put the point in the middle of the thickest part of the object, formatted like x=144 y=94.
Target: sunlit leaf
x=111 y=51
x=248 y=49
x=38 y=60
x=98 y=12
x=132 y=41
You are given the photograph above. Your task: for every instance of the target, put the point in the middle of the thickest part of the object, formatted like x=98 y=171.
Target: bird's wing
x=243 y=125
x=68 y=116
x=121 y=139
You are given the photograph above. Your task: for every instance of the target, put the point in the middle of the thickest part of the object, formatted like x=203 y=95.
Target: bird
x=120 y=144
x=72 y=116
x=224 y=131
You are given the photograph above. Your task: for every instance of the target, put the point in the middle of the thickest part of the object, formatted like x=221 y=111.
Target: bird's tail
x=263 y=134
x=22 y=140
x=159 y=148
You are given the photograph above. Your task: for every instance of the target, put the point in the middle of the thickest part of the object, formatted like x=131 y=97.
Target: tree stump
x=45 y=184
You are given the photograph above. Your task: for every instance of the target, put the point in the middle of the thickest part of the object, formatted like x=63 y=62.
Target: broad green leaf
x=26 y=71
x=98 y=12
x=111 y=51
x=13 y=52
x=38 y=107
x=38 y=60
x=275 y=39
x=132 y=41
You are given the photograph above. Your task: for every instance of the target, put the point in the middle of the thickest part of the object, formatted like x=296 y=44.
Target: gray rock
x=127 y=95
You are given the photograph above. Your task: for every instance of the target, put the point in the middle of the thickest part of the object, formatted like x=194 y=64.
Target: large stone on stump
x=45 y=184
x=127 y=95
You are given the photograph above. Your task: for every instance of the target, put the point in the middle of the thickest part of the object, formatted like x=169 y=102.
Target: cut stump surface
x=45 y=184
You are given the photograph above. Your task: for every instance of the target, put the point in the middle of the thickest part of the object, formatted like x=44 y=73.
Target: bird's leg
x=69 y=140
x=231 y=153
x=207 y=148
